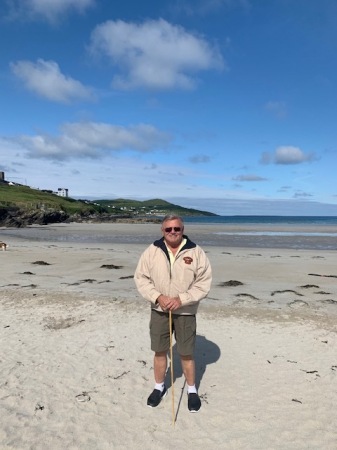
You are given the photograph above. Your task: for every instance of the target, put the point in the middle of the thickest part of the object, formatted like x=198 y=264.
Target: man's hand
x=173 y=303
x=169 y=303
x=163 y=301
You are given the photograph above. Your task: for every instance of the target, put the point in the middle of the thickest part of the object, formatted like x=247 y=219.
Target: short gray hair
x=172 y=217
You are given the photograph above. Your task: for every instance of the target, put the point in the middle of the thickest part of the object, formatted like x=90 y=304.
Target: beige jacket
x=189 y=277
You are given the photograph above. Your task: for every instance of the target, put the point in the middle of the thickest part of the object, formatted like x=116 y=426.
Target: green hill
x=24 y=197
x=155 y=207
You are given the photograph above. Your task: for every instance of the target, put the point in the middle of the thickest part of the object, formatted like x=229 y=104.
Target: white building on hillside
x=62 y=192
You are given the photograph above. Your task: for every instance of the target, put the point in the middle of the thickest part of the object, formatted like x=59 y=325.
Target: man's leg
x=188 y=366
x=160 y=337
x=185 y=334
x=160 y=366
x=185 y=327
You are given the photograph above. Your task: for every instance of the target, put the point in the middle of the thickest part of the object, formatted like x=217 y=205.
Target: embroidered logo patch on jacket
x=188 y=260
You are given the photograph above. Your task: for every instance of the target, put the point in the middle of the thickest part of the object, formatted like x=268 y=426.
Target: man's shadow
x=206 y=352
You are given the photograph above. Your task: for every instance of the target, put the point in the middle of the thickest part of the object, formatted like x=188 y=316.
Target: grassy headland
x=154 y=207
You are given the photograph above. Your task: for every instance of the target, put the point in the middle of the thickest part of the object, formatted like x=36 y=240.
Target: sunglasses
x=169 y=229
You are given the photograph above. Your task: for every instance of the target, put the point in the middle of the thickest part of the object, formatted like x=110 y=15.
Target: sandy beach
x=76 y=364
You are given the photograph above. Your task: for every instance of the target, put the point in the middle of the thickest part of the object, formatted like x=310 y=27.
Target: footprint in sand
x=84 y=397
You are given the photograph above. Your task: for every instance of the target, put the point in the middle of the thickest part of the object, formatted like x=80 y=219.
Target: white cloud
x=291 y=155
x=93 y=140
x=249 y=178
x=45 y=79
x=301 y=194
x=286 y=155
x=154 y=54
x=50 y=10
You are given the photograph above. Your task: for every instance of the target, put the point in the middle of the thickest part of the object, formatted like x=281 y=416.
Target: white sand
x=72 y=331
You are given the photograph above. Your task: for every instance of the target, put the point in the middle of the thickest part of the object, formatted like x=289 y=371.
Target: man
x=174 y=274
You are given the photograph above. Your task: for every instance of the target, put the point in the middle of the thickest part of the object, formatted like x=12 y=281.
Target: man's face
x=173 y=232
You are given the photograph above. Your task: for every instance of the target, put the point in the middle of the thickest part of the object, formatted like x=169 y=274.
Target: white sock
x=191 y=389
x=159 y=386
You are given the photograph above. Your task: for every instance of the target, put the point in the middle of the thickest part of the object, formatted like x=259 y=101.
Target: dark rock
x=18 y=218
x=15 y=217
x=230 y=283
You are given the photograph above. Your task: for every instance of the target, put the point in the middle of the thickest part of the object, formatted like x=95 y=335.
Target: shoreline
x=249 y=236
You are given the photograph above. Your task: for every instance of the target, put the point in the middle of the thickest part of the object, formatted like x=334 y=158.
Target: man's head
x=172 y=229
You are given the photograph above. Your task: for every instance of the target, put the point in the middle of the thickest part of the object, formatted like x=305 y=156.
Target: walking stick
x=171 y=357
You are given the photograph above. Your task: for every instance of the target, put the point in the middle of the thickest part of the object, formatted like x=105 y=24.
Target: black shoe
x=156 y=397
x=194 y=403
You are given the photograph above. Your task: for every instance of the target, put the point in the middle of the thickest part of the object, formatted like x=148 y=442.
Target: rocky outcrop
x=20 y=218
x=16 y=217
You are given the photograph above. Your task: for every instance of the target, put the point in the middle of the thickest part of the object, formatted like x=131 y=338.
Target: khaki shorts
x=184 y=329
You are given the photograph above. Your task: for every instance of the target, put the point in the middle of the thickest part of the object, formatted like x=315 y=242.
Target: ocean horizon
x=264 y=220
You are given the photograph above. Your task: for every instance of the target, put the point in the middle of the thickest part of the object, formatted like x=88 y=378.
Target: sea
x=265 y=220
x=292 y=232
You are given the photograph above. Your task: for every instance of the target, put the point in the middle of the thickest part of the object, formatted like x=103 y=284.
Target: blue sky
x=223 y=105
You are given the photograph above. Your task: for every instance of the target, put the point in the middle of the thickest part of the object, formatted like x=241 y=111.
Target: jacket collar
x=161 y=244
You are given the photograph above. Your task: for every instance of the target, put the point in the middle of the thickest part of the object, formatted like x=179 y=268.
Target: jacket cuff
x=184 y=298
x=154 y=298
